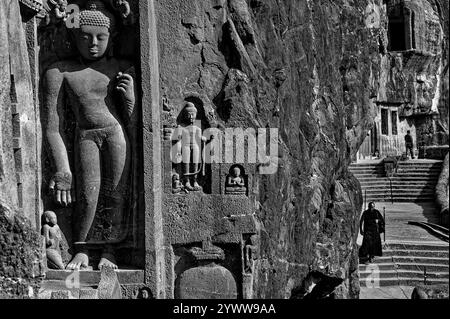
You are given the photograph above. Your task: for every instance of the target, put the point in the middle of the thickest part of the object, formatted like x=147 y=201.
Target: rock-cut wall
x=308 y=68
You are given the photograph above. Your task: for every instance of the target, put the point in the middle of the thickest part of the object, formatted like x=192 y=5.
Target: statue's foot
x=188 y=186
x=80 y=261
x=107 y=261
x=197 y=187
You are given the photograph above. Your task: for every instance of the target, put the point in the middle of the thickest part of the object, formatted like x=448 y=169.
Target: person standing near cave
x=371 y=226
x=409 y=144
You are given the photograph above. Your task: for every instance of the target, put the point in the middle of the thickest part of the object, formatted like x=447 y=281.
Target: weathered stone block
x=109 y=286
x=208 y=282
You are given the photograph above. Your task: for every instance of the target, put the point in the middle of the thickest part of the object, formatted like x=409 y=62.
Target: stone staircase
x=414 y=181
x=405 y=264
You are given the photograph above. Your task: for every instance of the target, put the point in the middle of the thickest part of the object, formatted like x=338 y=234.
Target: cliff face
x=308 y=68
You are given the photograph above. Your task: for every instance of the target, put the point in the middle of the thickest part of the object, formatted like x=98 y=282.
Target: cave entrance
x=386 y=138
x=401 y=28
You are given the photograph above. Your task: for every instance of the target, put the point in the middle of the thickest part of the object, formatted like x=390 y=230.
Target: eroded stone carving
x=177 y=186
x=191 y=145
x=102 y=96
x=208 y=279
x=235 y=183
x=34 y=5
x=53 y=237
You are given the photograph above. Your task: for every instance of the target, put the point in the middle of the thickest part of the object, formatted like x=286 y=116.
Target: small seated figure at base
x=177 y=186
x=52 y=235
x=235 y=184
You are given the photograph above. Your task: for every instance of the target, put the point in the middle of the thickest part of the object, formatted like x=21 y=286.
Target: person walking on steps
x=371 y=226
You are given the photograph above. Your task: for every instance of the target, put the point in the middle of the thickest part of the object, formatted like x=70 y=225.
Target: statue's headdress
x=97 y=15
x=190 y=107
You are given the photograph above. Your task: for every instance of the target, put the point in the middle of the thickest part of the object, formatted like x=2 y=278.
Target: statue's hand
x=61 y=186
x=125 y=86
x=168 y=133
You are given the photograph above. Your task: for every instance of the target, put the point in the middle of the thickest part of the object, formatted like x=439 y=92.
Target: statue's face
x=191 y=116
x=372 y=206
x=237 y=172
x=51 y=219
x=93 y=42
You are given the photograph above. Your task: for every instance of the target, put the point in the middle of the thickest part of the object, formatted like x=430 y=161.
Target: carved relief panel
x=90 y=118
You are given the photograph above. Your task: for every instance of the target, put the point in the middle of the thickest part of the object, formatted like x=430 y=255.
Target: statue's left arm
x=128 y=92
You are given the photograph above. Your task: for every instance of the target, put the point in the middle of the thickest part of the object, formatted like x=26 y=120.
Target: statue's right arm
x=53 y=128
x=53 y=120
x=46 y=233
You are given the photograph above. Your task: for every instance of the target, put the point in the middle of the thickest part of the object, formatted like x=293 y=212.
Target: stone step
x=412 y=259
x=382 y=185
x=105 y=284
x=407 y=179
x=125 y=276
x=413 y=189
x=397 y=195
x=407 y=253
x=398 y=177
x=404 y=170
x=395 y=281
x=416 y=274
x=399 y=192
x=405 y=266
x=423 y=170
x=387 y=199
x=421 y=164
x=414 y=247
x=375 y=182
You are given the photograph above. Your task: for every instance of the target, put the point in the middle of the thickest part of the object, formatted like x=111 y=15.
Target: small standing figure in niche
x=235 y=183
x=53 y=237
x=102 y=96
x=192 y=144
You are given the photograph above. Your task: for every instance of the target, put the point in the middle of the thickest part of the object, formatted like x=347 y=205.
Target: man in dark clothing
x=371 y=226
x=409 y=144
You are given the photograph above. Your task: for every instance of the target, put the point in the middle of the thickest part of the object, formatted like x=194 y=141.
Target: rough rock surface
x=310 y=69
x=430 y=292
x=21 y=262
x=442 y=192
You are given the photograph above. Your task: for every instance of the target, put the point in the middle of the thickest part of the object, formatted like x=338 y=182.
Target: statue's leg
x=186 y=156
x=196 y=160
x=88 y=188
x=116 y=168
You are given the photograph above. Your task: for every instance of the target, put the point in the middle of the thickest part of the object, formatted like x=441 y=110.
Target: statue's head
x=236 y=171
x=97 y=28
x=175 y=177
x=190 y=112
x=50 y=218
x=371 y=205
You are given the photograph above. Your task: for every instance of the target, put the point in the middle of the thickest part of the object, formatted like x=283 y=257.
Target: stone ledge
x=93 y=277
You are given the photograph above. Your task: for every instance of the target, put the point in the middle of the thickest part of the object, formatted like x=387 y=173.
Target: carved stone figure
x=192 y=143
x=102 y=96
x=52 y=235
x=177 y=186
x=235 y=183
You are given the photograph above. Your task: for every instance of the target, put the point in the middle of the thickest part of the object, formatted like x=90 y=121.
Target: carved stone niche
x=250 y=253
x=236 y=182
x=207 y=271
x=228 y=173
x=99 y=162
x=190 y=171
